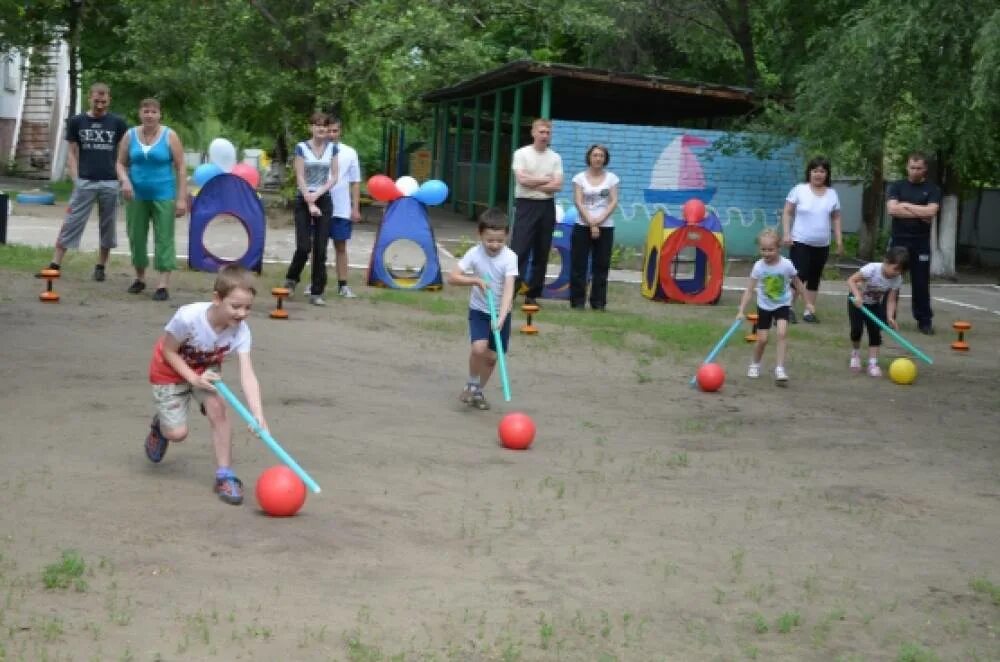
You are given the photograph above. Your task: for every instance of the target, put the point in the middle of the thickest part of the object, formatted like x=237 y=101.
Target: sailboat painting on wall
x=677 y=176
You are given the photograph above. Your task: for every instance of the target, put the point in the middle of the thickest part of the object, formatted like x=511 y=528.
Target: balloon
x=248 y=173
x=407 y=185
x=205 y=172
x=222 y=153
x=383 y=189
x=432 y=192
x=572 y=215
x=693 y=211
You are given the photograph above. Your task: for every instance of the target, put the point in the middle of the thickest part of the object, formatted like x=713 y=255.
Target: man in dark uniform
x=913 y=203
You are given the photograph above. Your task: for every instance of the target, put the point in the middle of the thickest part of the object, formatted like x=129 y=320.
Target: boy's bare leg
x=222 y=430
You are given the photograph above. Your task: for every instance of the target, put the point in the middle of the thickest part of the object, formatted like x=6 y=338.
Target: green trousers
x=138 y=214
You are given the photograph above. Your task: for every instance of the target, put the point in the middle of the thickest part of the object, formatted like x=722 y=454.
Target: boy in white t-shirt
x=876 y=287
x=772 y=278
x=188 y=357
x=492 y=265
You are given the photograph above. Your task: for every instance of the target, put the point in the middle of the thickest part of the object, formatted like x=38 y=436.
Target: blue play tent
x=233 y=196
x=405 y=218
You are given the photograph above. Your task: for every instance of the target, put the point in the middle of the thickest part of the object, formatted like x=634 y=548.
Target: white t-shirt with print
x=876 y=284
x=530 y=161
x=812 y=223
x=349 y=173
x=200 y=345
x=596 y=199
x=496 y=268
x=774 y=283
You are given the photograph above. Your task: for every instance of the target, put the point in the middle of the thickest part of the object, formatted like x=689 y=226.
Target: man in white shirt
x=539 y=175
x=346 y=205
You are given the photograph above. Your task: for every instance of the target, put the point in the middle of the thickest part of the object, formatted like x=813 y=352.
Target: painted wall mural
x=661 y=168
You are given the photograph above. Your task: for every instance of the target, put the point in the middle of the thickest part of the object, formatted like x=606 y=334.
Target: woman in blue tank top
x=154 y=183
x=316 y=172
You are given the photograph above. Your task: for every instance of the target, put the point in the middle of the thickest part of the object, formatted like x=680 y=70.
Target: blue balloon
x=432 y=192
x=572 y=215
x=205 y=172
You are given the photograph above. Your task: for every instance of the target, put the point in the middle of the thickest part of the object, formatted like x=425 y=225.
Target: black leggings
x=809 y=262
x=312 y=234
x=860 y=322
x=597 y=252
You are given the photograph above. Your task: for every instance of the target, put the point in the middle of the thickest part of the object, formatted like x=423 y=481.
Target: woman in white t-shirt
x=816 y=210
x=595 y=192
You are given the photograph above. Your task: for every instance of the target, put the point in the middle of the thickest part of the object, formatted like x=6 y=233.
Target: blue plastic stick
x=892 y=332
x=497 y=340
x=264 y=435
x=718 y=347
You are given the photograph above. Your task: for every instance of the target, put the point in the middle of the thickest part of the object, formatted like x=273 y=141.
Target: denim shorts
x=480 y=328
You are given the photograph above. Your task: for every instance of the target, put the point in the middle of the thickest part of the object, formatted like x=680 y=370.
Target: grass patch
x=787 y=621
x=985 y=587
x=915 y=653
x=67 y=572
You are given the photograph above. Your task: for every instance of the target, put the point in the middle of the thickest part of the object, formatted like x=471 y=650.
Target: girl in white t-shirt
x=876 y=287
x=816 y=210
x=595 y=192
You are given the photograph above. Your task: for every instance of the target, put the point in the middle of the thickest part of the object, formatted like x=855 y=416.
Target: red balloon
x=693 y=211
x=280 y=492
x=516 y=431
x=383 y=189
x=710 y=377
x=247 y=173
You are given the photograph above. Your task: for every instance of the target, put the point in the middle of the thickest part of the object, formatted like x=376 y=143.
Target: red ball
x=516 y=431
x=280 y=492
x=710 y=377
x=693 y=211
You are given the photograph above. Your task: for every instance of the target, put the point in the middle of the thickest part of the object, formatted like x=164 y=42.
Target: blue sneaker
x=229 y=489
x=156 y=443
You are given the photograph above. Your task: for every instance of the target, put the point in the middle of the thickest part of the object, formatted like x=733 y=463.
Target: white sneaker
x=855 y=363
x=753 y=372
x=346 y=292
x=780 y=376
x=874 y=370
x=317 y=300
x=308 y=290
x=290 y=286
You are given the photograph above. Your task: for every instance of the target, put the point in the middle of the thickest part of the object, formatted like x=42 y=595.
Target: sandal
x=229 y=489
x=156 y=444
x=479 y=401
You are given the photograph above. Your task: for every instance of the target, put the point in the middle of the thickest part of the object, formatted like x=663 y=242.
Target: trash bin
x=4 y=207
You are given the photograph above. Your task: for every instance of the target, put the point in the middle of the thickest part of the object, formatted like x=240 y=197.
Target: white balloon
x=407 y=185
x=223 y=154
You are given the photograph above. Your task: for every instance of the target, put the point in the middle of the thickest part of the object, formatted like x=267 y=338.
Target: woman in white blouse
x=595 y=192
x=815 y=208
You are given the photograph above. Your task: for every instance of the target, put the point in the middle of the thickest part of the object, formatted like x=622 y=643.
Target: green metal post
x=515 y=135
x=458 y=153
x=475 y=157
x=546 y=109
x=445 y=126
x=434 y=143
x=495 y=147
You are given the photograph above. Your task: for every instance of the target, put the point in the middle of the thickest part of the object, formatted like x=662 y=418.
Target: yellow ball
x=903 y=371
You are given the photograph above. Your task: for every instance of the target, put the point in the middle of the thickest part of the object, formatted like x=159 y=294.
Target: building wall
x=987 y=236
x=657 y=163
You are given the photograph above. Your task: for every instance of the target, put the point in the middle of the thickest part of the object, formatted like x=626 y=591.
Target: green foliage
x=787 y=621
x=67 y=572
x=915 y=653
x=987 y=588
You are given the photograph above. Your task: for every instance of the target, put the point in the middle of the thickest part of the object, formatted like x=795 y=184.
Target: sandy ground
x=845 y=518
